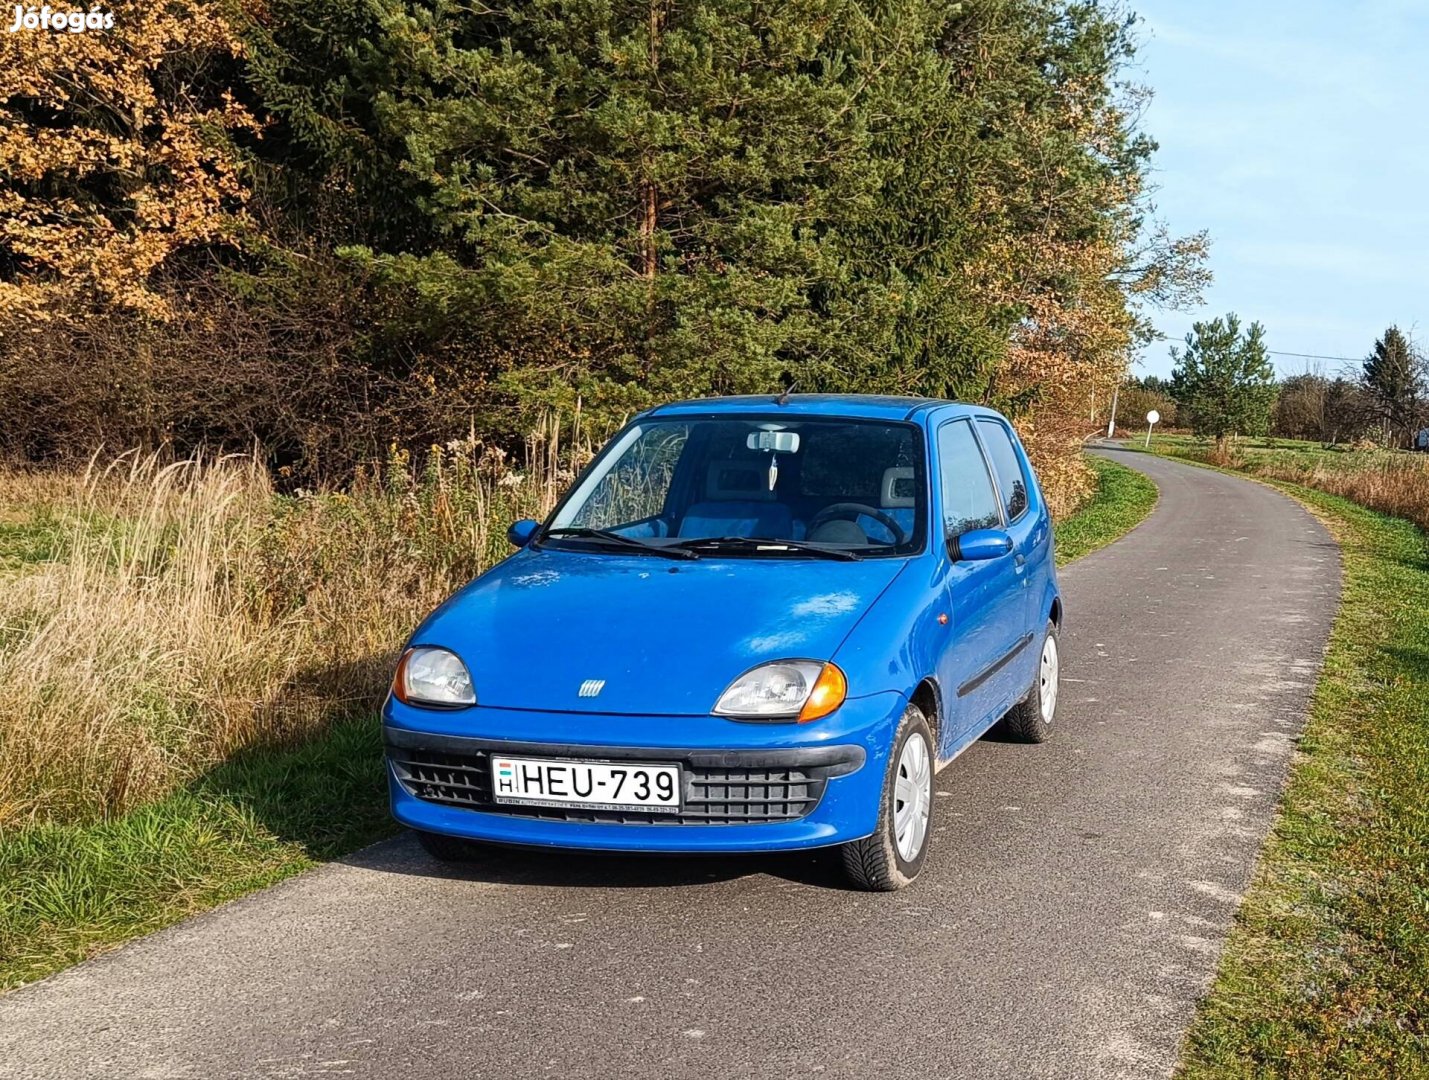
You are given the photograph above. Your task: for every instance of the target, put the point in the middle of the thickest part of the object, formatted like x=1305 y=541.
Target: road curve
x=1071 y=912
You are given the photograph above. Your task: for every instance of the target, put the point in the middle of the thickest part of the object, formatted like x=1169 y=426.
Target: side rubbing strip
x=988 y=672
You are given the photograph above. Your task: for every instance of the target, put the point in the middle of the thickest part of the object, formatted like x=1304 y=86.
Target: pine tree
x=1393 y=376
x=1224 y=379
x=636 y=199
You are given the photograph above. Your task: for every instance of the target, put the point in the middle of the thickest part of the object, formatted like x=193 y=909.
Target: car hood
x=664 y=637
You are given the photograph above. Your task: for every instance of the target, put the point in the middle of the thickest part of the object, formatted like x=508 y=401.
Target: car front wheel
x=893 y=855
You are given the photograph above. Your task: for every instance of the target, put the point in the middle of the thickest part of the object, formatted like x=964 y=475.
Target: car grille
x=711 y=796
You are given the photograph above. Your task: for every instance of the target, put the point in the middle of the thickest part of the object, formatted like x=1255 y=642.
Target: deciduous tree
x=1133 y=402
x=114 y=153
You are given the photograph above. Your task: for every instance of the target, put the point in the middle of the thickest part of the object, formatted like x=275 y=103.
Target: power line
x=1316 y=356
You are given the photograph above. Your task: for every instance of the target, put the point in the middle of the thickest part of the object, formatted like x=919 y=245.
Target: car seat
x=898 y=499
x=738 y=502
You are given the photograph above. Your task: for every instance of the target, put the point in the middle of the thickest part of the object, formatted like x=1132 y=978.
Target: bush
x=1133 y=403
x=309 y=365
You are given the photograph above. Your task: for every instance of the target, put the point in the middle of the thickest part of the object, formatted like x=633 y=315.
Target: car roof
x=859 y=406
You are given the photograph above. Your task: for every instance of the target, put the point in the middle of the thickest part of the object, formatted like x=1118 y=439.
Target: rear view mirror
x=979 y=545
x=776 y=442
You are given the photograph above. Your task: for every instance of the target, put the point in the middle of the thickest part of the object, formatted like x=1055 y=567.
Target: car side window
x=969 y=499
x=1010 y=479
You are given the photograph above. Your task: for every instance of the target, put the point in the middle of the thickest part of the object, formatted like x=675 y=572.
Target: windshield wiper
x=757 y=546
x=585 y=532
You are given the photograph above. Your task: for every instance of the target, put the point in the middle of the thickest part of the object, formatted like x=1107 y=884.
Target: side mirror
x=521 y=532
x=979 y=545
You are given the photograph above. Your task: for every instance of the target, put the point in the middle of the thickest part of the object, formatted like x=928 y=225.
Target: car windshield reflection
x=751 y=487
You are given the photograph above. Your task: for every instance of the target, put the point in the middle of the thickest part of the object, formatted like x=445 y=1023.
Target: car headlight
x=784 y=690
x=431 y=676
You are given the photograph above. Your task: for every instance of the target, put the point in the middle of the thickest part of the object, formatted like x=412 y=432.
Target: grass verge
x=70 y=890
x=1394 y=482
x=1122 y=499
x=1326 y=970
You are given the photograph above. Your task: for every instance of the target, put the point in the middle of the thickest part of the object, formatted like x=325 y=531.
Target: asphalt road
x=1071 y=911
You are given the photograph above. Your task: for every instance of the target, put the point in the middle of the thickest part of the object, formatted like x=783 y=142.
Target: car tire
x=1030 y=720
x=443 y=848
x=880 y=863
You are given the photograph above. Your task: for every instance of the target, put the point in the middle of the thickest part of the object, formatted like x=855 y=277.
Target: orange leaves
x=111 y=159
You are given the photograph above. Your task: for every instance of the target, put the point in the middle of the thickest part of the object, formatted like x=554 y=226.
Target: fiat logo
x=592 y=687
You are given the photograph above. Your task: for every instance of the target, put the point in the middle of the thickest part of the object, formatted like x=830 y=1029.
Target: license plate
x=601 y=785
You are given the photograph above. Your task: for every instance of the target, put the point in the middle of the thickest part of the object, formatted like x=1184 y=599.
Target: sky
x=1297 y=133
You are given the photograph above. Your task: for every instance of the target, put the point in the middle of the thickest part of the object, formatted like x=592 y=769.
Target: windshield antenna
x=783 y=398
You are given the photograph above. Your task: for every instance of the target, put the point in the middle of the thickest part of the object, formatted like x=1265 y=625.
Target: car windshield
x=752 y=486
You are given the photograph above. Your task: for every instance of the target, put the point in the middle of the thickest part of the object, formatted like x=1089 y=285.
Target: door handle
x=1020 y=559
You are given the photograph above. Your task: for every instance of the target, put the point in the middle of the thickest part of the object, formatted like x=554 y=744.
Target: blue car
x=753 y=624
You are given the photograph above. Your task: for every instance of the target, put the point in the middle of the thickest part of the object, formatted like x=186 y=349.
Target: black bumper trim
x=830 y=760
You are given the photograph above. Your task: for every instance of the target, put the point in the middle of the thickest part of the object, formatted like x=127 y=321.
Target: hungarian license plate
x=601 y=785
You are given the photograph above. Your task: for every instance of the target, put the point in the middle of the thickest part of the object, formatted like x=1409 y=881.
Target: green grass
x=1263 y=450
x=1247 y=443
x=70 y=891
x=37 y=539
x=1326 y=970
x=1122 y=499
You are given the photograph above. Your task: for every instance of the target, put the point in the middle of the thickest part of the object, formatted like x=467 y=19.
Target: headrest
x=744 y=481
x=898 y=488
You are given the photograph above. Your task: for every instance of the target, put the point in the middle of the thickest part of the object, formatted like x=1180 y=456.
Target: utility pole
x=1111 y=423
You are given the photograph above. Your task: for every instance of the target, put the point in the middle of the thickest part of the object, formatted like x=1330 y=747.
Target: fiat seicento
x=752 y=624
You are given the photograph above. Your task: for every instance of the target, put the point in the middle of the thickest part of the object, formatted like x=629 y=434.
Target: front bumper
x=840 y=761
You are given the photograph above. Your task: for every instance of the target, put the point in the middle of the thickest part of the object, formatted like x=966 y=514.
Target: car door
x=1015 y=492
x=984 y=598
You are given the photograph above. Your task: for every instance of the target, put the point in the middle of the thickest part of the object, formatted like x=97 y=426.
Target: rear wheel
x=446 y=848
x=1031 y=718
x=893 y=855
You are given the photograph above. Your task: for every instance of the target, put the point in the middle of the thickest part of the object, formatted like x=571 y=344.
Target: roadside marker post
x=1151 y=419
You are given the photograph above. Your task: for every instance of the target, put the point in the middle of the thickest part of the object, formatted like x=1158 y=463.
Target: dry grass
x=1390 y=481
x=188 y=612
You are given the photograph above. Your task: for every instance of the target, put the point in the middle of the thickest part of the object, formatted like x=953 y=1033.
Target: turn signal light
x=830 y=689
x=399 y=679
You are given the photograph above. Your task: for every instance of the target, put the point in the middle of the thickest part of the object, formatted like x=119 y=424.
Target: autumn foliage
x=114 y=156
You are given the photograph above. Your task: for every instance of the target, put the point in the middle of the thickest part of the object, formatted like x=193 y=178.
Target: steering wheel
x=851 y=510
